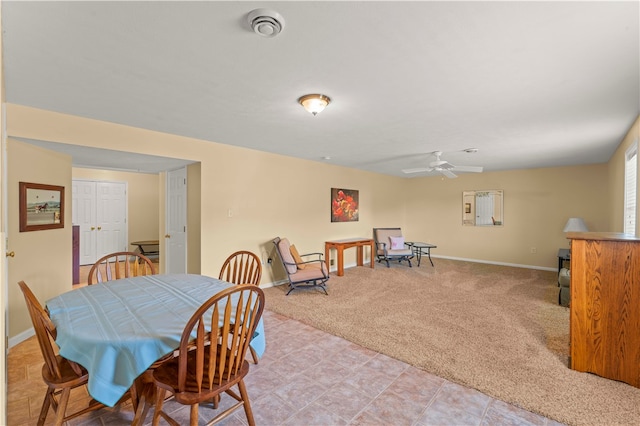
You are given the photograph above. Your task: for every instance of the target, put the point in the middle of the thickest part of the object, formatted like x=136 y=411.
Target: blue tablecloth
x=116 y=330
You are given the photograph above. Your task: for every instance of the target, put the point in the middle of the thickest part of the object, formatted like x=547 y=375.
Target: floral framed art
x=344 y=205
x=41 y=206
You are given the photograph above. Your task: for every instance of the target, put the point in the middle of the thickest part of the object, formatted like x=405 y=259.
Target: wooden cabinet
x=605 y=305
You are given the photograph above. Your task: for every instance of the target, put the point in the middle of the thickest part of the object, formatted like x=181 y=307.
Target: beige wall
x=615 y=187
x=537 y=204
x=142 y=200
x=42 y=258
x=272 y=195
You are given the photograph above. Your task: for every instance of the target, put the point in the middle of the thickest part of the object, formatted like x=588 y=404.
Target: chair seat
x=396 y=253
x=313 y=270
x=166 y=377
x=69 y=377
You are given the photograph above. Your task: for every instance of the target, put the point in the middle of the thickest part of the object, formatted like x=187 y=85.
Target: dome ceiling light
x=314 y=103
x=266 y=22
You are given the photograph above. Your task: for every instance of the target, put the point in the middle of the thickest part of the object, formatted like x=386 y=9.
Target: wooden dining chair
x=60 y=374
x=242 y=267
x=122 y=264
x=211 y=360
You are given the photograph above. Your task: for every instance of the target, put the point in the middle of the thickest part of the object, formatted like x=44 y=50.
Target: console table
x=604 y=314
x=341 y=245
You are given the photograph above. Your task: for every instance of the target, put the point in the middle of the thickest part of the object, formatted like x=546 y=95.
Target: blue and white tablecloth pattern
x=116 y=330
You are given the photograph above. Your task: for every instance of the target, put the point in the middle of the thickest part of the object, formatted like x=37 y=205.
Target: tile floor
x=306 y=377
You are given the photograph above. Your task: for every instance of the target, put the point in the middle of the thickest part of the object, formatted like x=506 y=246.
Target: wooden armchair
x=60 y=374
x=390 y=245
x=301 y=273
x=123 y=264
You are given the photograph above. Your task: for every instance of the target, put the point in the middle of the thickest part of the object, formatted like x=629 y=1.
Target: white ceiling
x=530 y=84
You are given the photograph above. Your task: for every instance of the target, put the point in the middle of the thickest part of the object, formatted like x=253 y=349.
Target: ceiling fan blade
x=471 y=169
x=418 y=170
x=448 y=174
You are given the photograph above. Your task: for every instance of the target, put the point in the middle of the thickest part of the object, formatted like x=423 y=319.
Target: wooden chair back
x=236 y=325
x=242 y=267
x=122 y=264
x=211 y=355
x=44 y=328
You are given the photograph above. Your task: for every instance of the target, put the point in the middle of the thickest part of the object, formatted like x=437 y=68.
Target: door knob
x=167 y=236
x=10 y=254
x=93 y=227
x=99 y=228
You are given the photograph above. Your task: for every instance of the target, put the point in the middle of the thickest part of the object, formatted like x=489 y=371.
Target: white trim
x=515 y=265
x=21 y=337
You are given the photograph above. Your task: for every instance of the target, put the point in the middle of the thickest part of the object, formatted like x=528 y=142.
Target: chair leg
x=160 y=394
x=246 y=404
x=62 y=406
x=47 y=403
x=193 y=417
x=254 y=355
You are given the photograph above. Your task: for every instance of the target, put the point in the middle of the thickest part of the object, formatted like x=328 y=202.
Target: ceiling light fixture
x=314 y=103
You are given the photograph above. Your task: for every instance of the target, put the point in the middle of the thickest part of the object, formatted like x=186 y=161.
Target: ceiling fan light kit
x=444 y=167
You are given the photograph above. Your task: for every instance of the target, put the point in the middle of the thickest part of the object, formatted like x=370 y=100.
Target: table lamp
x=575 y=224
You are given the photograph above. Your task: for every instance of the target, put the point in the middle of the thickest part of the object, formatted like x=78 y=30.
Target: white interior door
x=111 y=217
x=176 y=235
x=100 y=209
x=83 y=214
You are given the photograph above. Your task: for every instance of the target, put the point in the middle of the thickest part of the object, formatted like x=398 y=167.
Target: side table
x=563 y=254
x=421 y=248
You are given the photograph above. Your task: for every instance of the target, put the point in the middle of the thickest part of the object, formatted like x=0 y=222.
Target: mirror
x=483 y=208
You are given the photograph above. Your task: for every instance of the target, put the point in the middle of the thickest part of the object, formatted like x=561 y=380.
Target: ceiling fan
x=444 y=167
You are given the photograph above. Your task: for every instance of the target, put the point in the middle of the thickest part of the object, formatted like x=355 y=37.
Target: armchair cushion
x=397 y=243
x=287 y=257
x=296 y=256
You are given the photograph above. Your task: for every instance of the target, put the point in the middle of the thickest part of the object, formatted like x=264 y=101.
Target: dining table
x=118 y=329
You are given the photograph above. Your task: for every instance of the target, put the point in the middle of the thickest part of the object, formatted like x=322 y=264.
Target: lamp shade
x=575 y=224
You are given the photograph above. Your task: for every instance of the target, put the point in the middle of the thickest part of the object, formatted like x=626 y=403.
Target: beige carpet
x=493 y=328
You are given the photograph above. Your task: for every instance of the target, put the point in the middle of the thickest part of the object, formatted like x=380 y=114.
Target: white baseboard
x=21 y=337
x=489 y=262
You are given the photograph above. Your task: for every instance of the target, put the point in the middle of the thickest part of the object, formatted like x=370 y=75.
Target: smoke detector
x=266 y=22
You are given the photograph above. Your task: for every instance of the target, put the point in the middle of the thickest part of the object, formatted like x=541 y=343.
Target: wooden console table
x=605 y=320
x=341 y=245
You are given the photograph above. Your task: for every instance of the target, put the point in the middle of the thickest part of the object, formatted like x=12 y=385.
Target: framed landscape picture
x=344 y=205
x=41 y=206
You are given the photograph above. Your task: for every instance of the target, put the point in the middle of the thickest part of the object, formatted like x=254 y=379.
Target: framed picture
x=41 y=206
x=344 y=205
